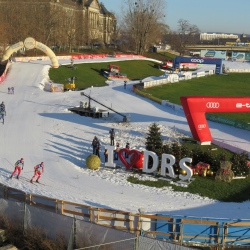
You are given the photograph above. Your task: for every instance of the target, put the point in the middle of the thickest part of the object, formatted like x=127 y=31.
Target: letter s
x=186 y=168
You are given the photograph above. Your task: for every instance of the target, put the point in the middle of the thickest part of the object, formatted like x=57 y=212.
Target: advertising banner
x=247 y=56
x=228 y=121
x=218 y=62
x=213 y=54
x=238 y=56
x=195 y=108
x=11 y=50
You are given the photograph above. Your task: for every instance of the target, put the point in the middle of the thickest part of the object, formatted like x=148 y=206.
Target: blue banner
x=238 y=55
x=217 y=62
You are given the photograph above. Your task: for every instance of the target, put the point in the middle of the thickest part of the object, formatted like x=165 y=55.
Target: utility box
x=70 y=86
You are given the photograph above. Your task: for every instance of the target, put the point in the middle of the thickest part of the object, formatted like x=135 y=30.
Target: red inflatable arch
x=195 y=108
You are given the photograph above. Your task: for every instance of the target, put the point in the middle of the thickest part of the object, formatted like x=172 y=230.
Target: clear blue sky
x=228 y=16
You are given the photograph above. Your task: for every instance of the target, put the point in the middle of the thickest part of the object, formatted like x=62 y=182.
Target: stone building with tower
x=57 y=22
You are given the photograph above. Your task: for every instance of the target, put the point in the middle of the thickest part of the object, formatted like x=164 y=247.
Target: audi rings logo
x=213 y=105
x=201 y=126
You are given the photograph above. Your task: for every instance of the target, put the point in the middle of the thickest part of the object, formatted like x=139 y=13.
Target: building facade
x=56 y=22
x=212 y=36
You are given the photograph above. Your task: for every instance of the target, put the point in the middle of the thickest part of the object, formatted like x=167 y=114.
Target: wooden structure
x=137 y=222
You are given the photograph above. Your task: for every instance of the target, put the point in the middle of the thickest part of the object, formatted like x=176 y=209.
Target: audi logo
x=213 y=105
x=202 y=126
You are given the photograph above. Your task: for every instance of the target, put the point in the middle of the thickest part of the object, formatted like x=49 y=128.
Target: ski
x=34 y=182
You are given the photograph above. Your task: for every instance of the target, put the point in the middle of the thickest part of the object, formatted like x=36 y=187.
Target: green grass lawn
x=161 y=56
x=215 y=85
x=88 y=74
x=235 y=191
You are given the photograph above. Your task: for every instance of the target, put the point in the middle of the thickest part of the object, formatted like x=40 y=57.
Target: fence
x=45 y=212
x=92 y=56
x=171 y=78
x=78 y=233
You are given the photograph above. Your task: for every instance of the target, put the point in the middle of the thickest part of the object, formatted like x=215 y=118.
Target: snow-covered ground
x=39 y=127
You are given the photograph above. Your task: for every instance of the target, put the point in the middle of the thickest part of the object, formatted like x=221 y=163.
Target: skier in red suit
x=38 y=169
x=18 y=166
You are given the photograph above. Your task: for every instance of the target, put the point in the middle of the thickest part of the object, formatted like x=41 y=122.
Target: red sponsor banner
x=195 y=108
x=4 y=73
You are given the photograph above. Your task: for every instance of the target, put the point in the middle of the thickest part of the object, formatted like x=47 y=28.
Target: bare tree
x=141 y=18
x=185 y=36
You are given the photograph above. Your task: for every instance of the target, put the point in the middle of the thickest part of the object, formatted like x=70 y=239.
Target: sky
x=226 y=16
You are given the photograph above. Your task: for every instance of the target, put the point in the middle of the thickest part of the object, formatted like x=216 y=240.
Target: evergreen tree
x=154 y=139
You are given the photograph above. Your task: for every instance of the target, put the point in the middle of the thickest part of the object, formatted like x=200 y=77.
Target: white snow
x=39 y=127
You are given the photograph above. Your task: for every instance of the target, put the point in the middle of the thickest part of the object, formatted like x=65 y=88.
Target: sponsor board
x=213 y=54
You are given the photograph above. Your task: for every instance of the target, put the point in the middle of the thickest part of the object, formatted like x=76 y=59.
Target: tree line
x=141 y=26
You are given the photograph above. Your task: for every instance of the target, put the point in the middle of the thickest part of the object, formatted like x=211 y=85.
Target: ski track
x=39 y=127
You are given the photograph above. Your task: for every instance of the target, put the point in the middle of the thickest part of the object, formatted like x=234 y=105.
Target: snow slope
x=39 y=127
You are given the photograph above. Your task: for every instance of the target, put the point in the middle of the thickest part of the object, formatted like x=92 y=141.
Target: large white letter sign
x=186 y=168
x=165 y=165
x=145 y=162
x=110 y=162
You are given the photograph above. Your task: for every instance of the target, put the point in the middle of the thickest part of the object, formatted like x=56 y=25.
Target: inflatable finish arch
x=218 y=62
x=31 y=43
x=195 y=108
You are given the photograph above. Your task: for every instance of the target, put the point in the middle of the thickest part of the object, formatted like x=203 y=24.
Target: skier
x=18 y=166
x=3 y=113
x=112 y=136
x=38 y=168
x=9 y=90
x=2 y=106
x=12 y=90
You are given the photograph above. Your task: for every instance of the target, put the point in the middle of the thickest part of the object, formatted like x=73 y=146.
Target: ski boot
x=17 y=177
x=11 y=177
x=37 y=181
x=31 y=181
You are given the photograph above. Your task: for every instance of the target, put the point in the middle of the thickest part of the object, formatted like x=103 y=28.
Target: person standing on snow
x=18 y=166
x=38 y=169
x=112 y=136
x=128 y=147
x=95 y=140
x=97 y=148
x=125 y=84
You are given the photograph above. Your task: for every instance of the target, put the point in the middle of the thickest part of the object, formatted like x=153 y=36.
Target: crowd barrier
x=92 y=56
x=2 y=77
x=174 y=228
x=238 y=70
x=171 y=78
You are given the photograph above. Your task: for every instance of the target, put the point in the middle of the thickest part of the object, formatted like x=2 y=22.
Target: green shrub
x=239 y=164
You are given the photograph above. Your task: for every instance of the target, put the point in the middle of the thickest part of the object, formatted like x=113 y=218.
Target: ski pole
x=9 y=163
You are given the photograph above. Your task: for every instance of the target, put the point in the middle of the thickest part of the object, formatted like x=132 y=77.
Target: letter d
x=145 y=162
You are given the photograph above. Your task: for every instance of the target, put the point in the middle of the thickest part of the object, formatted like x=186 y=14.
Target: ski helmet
x=21 y=160
x=42 y=163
